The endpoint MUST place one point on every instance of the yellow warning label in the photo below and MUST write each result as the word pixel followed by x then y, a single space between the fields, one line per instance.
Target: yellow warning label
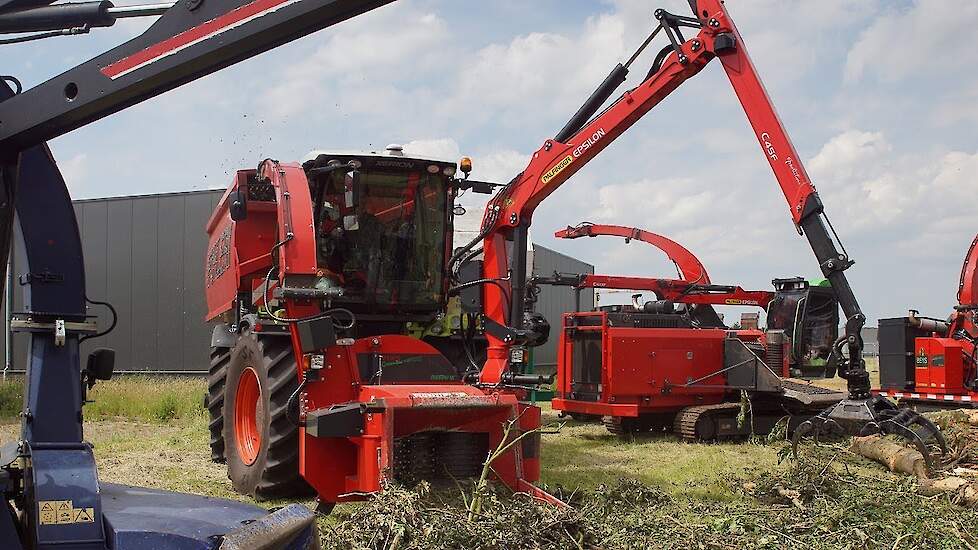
pixel 85 515
pixel 557 168
pixel 63 512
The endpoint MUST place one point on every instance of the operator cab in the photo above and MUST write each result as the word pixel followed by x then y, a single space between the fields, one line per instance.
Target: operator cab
pixel 383 227
pixel 808 313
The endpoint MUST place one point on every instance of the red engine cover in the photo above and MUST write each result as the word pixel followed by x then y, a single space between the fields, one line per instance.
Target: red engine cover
pixel 939 365
pixel 642 370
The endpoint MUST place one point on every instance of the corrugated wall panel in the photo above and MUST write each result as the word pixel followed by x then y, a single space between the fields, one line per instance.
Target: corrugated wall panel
pixel 145 255
pixel 93 225
pixel 118 278
pixel 196 336
pixel 170 292
pixel 145 283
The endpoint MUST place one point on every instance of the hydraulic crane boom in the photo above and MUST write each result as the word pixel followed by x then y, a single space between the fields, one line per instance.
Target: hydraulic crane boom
pixel 508 215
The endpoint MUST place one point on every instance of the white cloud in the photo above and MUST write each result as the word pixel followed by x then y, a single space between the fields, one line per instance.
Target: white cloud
pixel 75 172
pixel 358 62
pixel 538 74
pixel 441 148
pixel 850 153
pixel 929 37
pixel 881 189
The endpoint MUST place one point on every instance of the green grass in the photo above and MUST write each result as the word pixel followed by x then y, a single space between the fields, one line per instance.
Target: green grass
pixel 11 396
pixel 586 456
pixel 149 399
pixel 152 431
pixel 140 398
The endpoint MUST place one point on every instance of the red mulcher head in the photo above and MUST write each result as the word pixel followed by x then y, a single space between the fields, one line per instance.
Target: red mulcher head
pixel 408 430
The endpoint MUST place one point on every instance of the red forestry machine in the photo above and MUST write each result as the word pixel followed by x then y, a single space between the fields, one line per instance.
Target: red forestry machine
pixel 673 364
pixel 315 271
pixel 932 363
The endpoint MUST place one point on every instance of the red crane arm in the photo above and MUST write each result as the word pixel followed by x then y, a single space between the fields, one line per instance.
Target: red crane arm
pixel 690 267
pixel 552 165
pixel 682 291
pixel 508 215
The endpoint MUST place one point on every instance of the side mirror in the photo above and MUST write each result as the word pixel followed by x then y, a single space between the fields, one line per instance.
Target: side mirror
pixel 481 187
pixel 238 204
pixel 101 365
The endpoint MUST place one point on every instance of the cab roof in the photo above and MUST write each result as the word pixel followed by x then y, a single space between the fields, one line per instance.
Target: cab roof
pixel 391 151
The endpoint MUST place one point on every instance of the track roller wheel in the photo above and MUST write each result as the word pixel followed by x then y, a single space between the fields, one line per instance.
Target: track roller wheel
pixel 657 422
pixel 214 401
pixel 622 425
pixel 262 443
pixel 701 422
pixel 706 428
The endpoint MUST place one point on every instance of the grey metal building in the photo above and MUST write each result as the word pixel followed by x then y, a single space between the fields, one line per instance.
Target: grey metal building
pixel 145 255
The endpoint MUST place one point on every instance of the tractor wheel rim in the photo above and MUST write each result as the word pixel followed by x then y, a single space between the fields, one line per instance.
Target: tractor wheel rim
pixel 248 415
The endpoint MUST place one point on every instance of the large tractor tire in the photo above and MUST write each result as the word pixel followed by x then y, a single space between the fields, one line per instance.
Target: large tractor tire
pixel 262 442
pixel 216 376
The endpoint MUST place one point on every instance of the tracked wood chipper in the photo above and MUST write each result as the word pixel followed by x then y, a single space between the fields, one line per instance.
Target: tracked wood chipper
pixel 673 364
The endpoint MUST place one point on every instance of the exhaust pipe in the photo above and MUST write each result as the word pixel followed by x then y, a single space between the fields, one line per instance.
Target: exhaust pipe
pixel 928 324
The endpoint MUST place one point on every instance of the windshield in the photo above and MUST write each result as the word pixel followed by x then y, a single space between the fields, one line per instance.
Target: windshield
pixel 819 312
pixel 821 326
pixel 385 240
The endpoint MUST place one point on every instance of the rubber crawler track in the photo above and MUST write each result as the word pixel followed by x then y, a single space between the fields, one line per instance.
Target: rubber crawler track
pixel 686 420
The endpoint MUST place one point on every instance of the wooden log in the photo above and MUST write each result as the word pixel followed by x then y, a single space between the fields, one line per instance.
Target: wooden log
pixel 908 461
pixel 894 456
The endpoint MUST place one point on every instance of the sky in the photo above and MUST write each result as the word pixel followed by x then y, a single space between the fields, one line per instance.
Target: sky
pixel 879 96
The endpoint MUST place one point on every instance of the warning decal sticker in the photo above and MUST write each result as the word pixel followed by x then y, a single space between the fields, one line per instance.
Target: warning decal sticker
pixel 63 512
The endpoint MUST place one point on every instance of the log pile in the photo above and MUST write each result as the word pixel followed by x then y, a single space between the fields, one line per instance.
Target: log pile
pixel 955 474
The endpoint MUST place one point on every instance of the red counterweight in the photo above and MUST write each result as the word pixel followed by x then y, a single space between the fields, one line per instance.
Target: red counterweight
pixel 930 363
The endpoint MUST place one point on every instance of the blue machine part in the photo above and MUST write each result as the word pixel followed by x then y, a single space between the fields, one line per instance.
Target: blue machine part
pixel 66 506
pixel 137 517
pixel 8 531
pixel 64 490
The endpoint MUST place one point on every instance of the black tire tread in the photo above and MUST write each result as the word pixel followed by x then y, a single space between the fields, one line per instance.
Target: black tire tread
pixel 216 379
pixel 279 476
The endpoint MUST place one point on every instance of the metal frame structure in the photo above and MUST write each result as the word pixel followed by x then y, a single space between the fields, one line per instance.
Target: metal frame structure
pixel 52 465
